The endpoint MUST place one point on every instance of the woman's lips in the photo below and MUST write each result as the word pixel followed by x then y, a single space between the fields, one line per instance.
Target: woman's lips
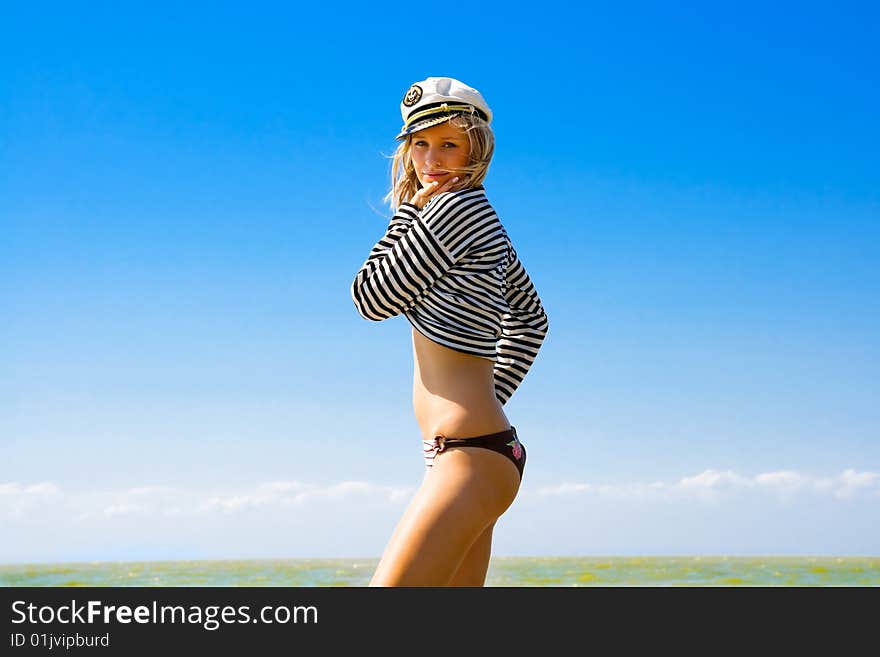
pixel 435 174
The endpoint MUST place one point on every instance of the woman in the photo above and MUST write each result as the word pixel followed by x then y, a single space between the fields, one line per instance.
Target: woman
pixel 447 264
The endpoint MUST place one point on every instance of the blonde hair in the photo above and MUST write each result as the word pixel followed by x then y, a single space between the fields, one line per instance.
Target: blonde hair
pixel 404 181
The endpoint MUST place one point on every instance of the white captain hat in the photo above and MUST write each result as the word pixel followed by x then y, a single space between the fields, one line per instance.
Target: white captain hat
pixel 435 100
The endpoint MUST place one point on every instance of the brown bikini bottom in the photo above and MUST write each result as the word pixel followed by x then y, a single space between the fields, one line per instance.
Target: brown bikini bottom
pixel 504 442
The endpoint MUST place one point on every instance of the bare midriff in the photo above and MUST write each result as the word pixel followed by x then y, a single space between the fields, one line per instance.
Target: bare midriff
pixel 453 392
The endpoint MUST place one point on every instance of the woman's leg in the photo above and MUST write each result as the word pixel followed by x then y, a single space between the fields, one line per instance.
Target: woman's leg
pixel 465 493
pixel 475 565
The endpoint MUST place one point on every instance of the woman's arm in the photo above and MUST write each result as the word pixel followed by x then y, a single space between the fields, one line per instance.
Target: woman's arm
pixel 416 250
pixel 523 330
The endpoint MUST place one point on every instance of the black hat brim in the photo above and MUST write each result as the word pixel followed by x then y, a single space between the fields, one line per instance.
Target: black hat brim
pixel 427 123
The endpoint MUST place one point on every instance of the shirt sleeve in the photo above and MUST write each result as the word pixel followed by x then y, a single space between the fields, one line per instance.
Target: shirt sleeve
pixel 417 249
pixel 523 329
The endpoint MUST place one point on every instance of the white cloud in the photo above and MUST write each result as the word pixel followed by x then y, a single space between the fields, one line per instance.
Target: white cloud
pixel 714 485
pixel 566 489
pixel 853 482
pixel 708 512
pixel 287 517
pixel 22 501
pixel 782 479
pixel 286 494
pixel 787 484
pixel 19 501
pixel 622 491
pixel 16 489
pixel 714 479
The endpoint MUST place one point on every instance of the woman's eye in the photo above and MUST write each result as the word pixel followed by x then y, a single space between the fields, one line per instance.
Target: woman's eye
pixel 423 144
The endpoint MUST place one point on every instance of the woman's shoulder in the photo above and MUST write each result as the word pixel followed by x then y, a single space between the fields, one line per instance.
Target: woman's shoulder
pixel 457 199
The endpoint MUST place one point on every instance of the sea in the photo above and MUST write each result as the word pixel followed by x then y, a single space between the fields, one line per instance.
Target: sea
pixel 631 571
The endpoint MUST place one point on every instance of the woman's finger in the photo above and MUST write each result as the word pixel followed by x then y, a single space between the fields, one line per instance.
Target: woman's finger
pixel 421 197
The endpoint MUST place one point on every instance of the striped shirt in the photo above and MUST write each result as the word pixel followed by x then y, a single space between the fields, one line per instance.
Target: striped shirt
pixel 451 269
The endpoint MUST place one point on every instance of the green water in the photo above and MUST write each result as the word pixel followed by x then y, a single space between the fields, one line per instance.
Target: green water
pixel 503 571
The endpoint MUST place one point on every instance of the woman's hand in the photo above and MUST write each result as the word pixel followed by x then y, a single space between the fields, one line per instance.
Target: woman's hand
pixel 425 193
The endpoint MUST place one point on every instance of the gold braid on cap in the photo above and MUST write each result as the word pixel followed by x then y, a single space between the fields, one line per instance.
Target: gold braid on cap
pixel 442 108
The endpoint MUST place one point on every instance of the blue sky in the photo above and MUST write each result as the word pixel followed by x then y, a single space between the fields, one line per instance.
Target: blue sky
pixel 186 193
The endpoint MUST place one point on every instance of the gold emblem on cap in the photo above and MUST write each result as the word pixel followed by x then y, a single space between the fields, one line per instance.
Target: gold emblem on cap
pixel 412 96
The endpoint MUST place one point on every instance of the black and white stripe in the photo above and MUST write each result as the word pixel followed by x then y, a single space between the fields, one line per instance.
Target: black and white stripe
pixel 453 272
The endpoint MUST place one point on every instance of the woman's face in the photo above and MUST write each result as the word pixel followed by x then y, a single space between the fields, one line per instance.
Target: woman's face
pixel 438 151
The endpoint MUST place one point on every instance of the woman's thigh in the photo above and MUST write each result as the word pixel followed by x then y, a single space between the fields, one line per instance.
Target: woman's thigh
pixel 473 568
pixel 466 491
